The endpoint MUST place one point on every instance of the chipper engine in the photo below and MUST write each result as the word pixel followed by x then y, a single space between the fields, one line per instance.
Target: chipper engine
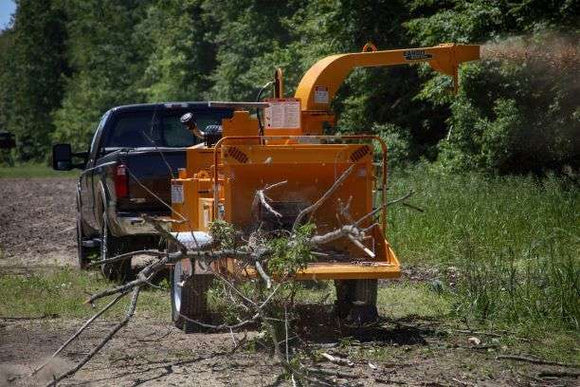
pixel 281 170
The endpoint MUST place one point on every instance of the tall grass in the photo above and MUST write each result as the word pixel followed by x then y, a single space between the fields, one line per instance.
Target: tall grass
pixel 515 241
pixel 542 286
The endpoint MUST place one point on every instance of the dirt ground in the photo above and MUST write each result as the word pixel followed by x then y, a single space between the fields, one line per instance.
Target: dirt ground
pixel 37 230
pixel 37 222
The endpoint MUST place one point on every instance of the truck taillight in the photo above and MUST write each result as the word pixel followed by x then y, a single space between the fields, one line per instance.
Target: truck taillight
pixel 121 181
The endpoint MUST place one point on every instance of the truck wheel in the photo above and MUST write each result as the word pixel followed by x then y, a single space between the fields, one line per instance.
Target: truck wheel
pixel 356 301
pixel 111 246
pixel 189 297
pixel 82 252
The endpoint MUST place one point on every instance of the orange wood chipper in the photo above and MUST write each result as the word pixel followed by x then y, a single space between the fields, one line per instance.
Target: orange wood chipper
pixel 245 154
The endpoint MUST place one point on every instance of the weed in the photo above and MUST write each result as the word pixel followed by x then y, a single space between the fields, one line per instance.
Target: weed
pixel 497 213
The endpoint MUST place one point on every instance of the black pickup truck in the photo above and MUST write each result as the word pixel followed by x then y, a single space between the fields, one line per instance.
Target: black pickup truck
pixel 135 151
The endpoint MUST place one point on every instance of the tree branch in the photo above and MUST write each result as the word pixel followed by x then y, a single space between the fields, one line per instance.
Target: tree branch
pixel 120 257
pixel 110 335
pixel 324 197
pixel 85 325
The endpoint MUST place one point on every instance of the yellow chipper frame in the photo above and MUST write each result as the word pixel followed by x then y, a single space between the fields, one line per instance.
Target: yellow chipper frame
pixel 222 177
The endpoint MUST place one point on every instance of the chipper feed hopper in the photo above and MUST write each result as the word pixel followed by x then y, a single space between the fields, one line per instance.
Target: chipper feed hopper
pixel 340 180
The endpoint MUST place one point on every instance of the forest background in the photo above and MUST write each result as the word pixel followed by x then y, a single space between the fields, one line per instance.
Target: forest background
pixel 63 63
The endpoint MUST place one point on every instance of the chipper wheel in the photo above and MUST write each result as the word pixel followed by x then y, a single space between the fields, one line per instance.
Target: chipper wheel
pixel 189 297
pixel 356 301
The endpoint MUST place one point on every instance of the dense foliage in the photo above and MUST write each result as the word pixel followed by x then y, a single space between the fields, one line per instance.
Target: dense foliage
pixel 64 62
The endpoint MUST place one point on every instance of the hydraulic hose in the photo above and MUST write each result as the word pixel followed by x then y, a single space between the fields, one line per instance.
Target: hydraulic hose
pixel 258 98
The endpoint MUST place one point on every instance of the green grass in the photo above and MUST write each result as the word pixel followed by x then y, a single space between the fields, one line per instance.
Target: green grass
pixel 63 292
pixel 514 240
pixel 500 214
pixel 405 299
pixel 396 300
pixel 34 170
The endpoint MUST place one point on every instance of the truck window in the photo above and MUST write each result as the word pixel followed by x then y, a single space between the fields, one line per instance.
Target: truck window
pixel 175 135
pixel 162 128
pixel 97 135
pixel 134 130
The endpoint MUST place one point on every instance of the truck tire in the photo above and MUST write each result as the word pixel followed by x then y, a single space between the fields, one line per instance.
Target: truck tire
pixel 189 297
pixel 356 301
pixel 111 246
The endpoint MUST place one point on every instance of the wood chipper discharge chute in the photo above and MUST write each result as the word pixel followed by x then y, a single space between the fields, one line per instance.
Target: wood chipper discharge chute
pixel 280 173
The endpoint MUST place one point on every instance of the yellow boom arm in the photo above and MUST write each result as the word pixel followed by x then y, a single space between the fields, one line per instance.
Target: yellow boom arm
pixel 320 83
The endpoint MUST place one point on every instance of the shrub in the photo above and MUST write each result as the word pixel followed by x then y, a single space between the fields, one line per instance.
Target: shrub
pixel 398 144
pixel 516 112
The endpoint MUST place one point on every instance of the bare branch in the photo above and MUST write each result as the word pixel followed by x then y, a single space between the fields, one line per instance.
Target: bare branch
pixel 85 325
pixel 413 207
pixel 111 333
pixel 261 198
pixel 166 234
pixel 534 360
pixel 263 274
pixel 359 244
pixel 222 326
pixel 334 235
pixel 120 257
pixel 118 289
pixel 402 198
pixel 376 210
pixel 337 360
pixel 275 185
pixel 324 197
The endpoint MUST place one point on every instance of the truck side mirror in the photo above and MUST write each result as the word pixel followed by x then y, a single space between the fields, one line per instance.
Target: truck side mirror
pixel 62 157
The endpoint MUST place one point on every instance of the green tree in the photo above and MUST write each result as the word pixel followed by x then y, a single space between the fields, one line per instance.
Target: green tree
pixel 35 63
pixel 107 54
pixel 181 57
pixel 249 38
pixel 6 88
pixel 515 111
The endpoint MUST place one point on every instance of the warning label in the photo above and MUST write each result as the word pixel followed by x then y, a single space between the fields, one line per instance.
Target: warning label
pixel 321 94
pixel 283 113
pixel 176 193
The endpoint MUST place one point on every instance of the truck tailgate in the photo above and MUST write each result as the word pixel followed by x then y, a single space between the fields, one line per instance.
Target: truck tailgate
pixel 150 173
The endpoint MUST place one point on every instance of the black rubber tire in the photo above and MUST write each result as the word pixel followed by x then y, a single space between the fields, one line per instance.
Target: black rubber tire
pixel 82 252
pixel 111 246
pixel 193 301
pixel 356 301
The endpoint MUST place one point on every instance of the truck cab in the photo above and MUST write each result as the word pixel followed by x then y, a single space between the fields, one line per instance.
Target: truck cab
pixel 126 172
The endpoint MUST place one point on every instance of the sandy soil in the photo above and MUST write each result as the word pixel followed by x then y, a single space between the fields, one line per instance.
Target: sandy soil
pixel 37 230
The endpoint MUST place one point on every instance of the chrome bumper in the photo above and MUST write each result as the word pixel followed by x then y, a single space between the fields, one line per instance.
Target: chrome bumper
pixel 124 225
